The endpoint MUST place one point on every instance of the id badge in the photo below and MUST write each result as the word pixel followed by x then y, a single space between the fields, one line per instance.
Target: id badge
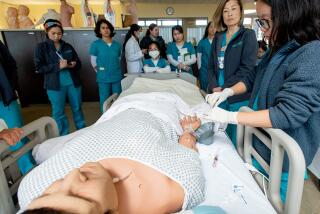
pixel 221 62
pixel 101 68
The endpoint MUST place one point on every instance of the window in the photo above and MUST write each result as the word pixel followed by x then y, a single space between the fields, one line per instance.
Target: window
pixel 201 22
pixel 247 21
pixel 169 22
pixel 149 22
pixel 142 23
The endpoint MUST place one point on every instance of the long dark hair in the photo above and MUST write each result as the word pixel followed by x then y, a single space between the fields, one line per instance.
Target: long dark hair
pixel 177 28
pixel 133 28
pixel 98 25
pixel 206 32
pixel 151 27
pixel 294 20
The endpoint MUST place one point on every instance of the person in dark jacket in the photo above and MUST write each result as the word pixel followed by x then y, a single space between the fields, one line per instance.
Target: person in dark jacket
pixel 59 63
pixel 286 84
pixel 152 34
pixel 9 108
pixel 234 52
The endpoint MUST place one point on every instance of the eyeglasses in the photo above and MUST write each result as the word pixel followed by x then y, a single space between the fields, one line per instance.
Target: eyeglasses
pixel 263 23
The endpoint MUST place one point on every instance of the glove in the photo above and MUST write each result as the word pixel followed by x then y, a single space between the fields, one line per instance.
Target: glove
pixel 220 115
pixel 216 98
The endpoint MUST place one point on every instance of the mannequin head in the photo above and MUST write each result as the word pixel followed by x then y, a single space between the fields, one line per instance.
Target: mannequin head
pixel 12 12
pixel 23 10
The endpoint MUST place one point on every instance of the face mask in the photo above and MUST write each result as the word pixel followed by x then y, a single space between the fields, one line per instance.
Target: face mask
pixel 154 54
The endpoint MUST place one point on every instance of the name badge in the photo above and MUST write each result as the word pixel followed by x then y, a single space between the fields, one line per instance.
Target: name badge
pixel 101 68
pixel 221 62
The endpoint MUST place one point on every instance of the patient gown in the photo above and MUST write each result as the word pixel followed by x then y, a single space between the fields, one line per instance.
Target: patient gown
pixel 131 134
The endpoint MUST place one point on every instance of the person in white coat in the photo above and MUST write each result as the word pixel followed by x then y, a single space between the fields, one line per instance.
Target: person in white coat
pixel 133 53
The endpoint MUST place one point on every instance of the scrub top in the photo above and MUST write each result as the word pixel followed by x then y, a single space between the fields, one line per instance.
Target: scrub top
pixel 221 57
pixel 204 47
pixel 108 60
pixel 64 74
pixel 162 63
pixel 180 55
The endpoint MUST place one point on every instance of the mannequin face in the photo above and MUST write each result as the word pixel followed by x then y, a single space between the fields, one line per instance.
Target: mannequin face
pixel 88 189
pixel 55 34
pixel 23 10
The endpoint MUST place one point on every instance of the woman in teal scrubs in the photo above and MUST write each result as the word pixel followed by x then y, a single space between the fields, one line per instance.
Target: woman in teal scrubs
pixel 105 59
pixel 59 63
pixel 181 55
pixel 9 107
pixel 203 55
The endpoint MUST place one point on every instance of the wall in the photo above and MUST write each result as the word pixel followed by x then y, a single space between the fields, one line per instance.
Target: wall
pixel 36 12
pixel 145 10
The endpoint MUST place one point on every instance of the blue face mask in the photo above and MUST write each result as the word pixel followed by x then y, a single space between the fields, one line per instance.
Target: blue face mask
pixel 205 133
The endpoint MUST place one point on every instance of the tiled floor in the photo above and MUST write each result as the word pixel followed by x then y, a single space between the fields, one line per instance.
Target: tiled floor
pixel 311 195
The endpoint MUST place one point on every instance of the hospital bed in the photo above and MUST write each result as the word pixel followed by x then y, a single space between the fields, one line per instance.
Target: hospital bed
pixel 229 184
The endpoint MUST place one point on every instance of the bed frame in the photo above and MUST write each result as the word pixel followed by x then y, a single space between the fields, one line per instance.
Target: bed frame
pixel 276 140
pixel 10 176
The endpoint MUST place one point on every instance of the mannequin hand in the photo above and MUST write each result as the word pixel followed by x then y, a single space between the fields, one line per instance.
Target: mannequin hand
pixel 216 98
pixel 221 116
pixel 194 122
pixel 63 63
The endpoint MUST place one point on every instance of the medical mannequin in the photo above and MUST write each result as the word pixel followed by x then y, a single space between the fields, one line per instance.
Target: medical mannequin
pixel 51 14
pixel 87 14
pixel 12 18
pixel 24 20
pixel 66 12
pixel 109 13
pixel 131 9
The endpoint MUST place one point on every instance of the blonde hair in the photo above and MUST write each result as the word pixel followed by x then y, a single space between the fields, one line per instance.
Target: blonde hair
pixel 218 15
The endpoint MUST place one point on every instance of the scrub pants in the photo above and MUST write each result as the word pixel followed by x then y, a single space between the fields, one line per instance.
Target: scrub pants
pixel 203 79
pixel 58 102
pixel 12 116
pixel 231 128
pixel 106 90
pixel 284 179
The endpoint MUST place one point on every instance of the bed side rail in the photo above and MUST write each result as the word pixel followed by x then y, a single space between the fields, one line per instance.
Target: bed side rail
pixel 36 132
pixel 278 142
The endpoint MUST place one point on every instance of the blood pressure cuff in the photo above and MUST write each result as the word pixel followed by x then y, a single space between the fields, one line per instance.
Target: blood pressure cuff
pixel 205 133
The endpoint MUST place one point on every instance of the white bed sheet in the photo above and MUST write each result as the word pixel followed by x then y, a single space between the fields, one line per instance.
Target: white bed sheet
pixel 230 170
